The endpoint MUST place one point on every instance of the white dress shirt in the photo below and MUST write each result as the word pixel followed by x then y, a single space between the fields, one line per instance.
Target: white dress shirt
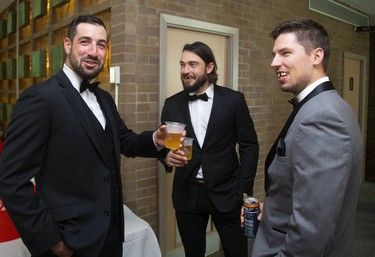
pixel 88 96
pixel 200 112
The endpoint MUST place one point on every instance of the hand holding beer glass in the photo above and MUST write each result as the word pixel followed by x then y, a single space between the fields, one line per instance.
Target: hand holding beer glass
pixel 174 133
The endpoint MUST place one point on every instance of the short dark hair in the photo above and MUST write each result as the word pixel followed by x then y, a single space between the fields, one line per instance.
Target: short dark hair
pixel 309 33
pixel 204 52
pixel 72 29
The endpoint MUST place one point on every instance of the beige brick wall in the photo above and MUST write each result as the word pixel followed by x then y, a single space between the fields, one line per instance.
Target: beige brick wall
pixel 135 47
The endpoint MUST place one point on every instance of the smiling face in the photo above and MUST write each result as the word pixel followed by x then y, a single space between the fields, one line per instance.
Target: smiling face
pixel 87 52
pixel 194 72
pixel 294 67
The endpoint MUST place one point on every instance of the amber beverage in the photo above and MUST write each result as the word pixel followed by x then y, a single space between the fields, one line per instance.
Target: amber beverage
pixel 188 147
pixel 172 140
pixel 174 133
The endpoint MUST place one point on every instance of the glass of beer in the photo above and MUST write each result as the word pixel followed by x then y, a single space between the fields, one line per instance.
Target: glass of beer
pixel 174 133
pixel 188 147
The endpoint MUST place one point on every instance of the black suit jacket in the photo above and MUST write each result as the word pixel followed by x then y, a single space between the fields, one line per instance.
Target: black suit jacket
pixel 49 138
pixel 226 176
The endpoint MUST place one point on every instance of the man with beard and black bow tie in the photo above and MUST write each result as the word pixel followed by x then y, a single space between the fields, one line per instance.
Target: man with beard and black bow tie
pixel 66 132
pixel 212 183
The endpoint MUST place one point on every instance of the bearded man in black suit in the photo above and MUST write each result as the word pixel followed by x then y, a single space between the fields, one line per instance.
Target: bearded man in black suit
pixel 212 183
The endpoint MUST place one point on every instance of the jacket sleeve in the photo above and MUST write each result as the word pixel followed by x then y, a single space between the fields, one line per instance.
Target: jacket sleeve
pixel 21 160
pixel 248 146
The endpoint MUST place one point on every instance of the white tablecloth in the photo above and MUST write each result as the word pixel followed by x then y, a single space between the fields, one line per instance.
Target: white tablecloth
pixel 14 248
pixel 140 240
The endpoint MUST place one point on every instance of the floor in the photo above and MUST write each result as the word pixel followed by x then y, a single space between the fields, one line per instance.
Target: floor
pixel 364 238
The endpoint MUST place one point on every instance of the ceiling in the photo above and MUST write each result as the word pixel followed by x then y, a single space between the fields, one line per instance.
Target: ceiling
pixel 366 6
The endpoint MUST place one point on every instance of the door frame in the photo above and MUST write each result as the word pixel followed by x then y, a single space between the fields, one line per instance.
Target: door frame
pixel 363 92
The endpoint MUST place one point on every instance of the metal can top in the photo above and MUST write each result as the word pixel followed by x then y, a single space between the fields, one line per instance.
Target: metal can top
pixel 251 202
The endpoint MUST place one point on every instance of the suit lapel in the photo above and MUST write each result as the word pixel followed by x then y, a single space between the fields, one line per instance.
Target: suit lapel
pixel 79 108
pixel 325 86
pixel 183 105
pixel 216 111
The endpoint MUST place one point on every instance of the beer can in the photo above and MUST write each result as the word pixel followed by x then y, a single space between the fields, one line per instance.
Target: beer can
pixel 251 211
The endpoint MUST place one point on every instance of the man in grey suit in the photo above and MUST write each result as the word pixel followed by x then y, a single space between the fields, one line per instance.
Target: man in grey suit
pixel 312 172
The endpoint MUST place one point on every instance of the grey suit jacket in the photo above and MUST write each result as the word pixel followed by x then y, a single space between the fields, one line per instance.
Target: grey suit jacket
pixel 311 202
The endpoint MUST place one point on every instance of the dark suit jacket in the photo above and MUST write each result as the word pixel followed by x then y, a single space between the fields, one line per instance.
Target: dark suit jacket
pixel 226 176
pixel 50 138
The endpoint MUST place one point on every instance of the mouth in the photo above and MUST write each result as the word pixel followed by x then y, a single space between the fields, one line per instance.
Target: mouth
pixel 188 78
pixel 281 74
pixel 91 63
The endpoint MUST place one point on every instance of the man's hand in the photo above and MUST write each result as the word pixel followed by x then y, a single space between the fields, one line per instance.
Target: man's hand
pixel 176 158
pixel 161 133
pixel 242 217
pixel 61 250
pixel 260 211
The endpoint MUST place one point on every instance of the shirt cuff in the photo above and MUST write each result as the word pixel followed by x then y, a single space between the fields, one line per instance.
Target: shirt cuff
pixel 158 147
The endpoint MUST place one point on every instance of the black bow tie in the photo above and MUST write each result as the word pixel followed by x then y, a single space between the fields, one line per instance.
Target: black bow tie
pixel 85 84
pixel 293 101
pixel 194 97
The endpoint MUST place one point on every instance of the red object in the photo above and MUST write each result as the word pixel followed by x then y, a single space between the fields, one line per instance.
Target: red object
pixel 1 146
pixel 7 230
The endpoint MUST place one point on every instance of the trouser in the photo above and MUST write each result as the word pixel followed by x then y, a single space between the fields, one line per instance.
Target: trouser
pixel 192 227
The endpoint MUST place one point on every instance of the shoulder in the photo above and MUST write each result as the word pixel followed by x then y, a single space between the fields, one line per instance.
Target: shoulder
pixel 226 90
pixel 46 87
pixel 221 92
pixel 176 97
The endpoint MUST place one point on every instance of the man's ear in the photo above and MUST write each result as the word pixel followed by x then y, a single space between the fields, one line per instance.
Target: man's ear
pixel 67 45
pixel 210 67
pixel 318 56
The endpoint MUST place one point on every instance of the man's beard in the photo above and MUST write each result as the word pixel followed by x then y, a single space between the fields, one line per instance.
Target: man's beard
pixel 78 68
pixel 196 86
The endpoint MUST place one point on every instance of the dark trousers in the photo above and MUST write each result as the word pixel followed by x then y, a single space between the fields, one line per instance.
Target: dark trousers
pixel 192 227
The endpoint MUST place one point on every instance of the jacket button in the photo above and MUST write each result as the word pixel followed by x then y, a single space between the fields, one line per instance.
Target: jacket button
pixel 106 179
pixel 106 213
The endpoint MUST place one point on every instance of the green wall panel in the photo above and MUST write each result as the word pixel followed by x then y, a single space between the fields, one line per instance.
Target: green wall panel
pixel 23 14
pixel 39 8
pixel 11 68
pixel 57 58
pixel 23 66
pixel 38 63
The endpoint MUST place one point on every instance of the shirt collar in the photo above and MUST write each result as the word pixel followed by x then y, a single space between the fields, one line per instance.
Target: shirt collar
pixel 73 77
pixel 311 87
pixel 210 91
